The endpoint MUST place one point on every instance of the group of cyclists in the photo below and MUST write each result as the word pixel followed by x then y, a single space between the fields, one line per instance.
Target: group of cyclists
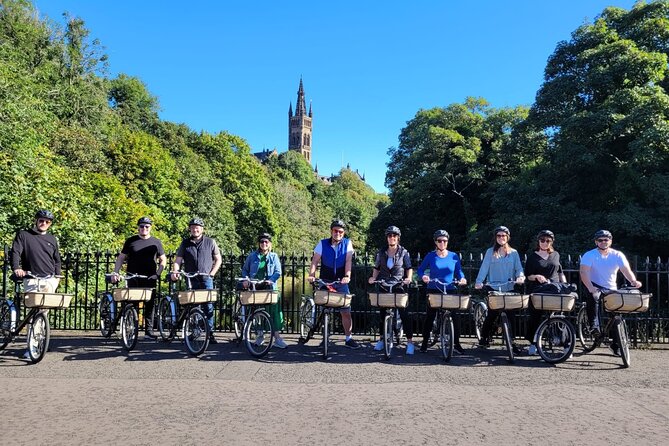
pixel 36 250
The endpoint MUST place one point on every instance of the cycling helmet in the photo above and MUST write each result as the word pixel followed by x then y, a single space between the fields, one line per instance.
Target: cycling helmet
pixel 196 221
pixel 264 236
pixel 502 229
pixel 546 233
pixel 440 233
pixel 337 224
pixel 393 230
pixel 43 213
pixel 144 221
pixel 602 233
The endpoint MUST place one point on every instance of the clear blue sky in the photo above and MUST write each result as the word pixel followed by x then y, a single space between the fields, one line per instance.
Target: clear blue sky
pixel 367 66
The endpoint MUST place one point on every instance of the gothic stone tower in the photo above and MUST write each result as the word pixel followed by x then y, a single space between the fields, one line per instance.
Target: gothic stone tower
pixel 299 126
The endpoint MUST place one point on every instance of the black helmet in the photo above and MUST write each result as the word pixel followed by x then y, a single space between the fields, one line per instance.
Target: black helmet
pixel 144 221
pixel 43 213
pixel 196 221
pixel 602 233
pixel 337 224
pixel 393 230
pixel 502 229
pixel 440 233
pixel 264 236
pixel 546 233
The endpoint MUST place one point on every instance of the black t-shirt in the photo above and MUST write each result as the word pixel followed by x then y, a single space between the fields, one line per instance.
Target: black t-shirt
pixel 35 252
pixel 550 268
pixel 142 254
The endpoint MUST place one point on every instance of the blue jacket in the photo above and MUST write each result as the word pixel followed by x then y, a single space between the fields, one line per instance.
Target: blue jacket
pixel 250 268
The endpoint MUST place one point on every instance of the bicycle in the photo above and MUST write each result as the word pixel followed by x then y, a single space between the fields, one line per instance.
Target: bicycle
pixel 182 309
pixel 39 331
pixel 555 337
pixel 445 303
pixel 502 301
pixel 258 321
pixel 323 304
pixel 479 310
pixel 128 317
pixel 616 302
pixel 392 302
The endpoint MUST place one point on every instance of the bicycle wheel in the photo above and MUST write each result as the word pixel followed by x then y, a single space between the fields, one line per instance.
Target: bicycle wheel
pixel 555 340
pixel 307 318
pixel 398 327
pixel 5 324
pixel 480 311
pixel 387 335
pixel 129 327
pixel 623 340
pixel 167 318
pixel 39 335
pixel 585 337
pixel 446 337
pixel 196 332
pixel 106 310
pixel 238 318
pixel 506 330
pixel 434 334
pixel 258 333
pixel 326 333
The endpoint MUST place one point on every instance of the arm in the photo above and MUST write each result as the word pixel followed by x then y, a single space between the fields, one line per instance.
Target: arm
pixel 483 270
pixel 17 250
pixel 458 274
pixel 375 269
pixel 347 267
pixel 315 259
pixel 518 268
pixel 120 260
pixel 246 269
pixel 423 266
pixel 629 274
pixel 274 278
pixel 162 261
pixel 218 260
pixel 176 266
pixel 584 271
pixel 57 261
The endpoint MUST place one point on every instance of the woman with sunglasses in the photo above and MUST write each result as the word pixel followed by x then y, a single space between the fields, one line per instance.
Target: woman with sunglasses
pixel 542 266
pixel 501 270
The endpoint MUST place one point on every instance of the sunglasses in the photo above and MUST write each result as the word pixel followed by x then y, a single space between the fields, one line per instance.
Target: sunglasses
pixel 43 221
pixel 338 231
pixel 442 240
pixel 144 226
pixel 264 241
pixel 501 236
pixel 600 240
pixel 392 235
pixel 545 240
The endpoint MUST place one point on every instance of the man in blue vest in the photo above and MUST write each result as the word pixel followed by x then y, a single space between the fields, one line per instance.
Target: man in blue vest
pixel 335 254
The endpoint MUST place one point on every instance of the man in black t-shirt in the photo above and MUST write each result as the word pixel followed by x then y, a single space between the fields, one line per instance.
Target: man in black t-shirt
pixel 145 256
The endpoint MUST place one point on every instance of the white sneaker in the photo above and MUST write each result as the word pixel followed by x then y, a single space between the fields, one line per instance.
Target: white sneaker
pixel 379 345
pixel 26 355
pixel 279 343
pixel 532 350
pixel 410 348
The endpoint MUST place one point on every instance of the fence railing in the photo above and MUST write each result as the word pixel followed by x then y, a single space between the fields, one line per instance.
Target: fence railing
pixel 84 277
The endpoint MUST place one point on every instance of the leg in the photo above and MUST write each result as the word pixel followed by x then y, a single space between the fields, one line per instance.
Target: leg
pixel 532 323
pixel 488 326
pixel 427 327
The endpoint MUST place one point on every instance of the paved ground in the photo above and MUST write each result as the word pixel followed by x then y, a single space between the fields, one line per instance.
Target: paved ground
pixel 88 391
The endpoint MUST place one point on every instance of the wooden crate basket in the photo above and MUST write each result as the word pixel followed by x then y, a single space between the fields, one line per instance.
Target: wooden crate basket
pixel 508 301
pixel 389 300
pixel 621 302
pixel 132 294
pixel 330 299
pixel 258 297
pixel 48 300
pixel 197 296
pixel 553 302
pixel 448 301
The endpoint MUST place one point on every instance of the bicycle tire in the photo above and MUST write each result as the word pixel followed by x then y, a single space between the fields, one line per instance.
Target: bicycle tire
pixel 446 337
pixel 5 324
pixel 129 327
pixel 588 342
pixel 398 327
pixel 506 330
pixel 623 341
pixel 39 335
pixel 480 311
pixel 307 318
pixel 258 334
pixel 326 334
pixel 238 319
pixel 196 332
pixel 388 335
pixel 555 340
pixel 167 318
pixel 106 312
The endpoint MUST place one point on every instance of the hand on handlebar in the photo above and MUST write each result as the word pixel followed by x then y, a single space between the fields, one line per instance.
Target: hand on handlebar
pixel 115 277
pixel 520 280
pixel 345 280
pixel 19 272
pixel 478 286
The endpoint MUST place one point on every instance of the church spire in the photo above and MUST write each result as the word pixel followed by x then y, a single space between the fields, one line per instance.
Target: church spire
pixel 300 107
pixel 290 110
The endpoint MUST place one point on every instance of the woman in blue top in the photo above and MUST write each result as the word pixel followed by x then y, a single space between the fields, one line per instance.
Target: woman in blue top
pixel 445 266
pixel 501 270
pixel 263 264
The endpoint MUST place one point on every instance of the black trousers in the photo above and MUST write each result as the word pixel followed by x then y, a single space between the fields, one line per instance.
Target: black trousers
pixel 150 304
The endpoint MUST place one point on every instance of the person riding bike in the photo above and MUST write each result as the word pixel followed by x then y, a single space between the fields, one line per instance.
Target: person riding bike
pixel 599 270
pixel 335 254
pixel 393 265
pixel 502 270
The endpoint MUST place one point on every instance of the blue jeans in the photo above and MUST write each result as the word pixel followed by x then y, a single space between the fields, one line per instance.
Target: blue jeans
pixel 205 283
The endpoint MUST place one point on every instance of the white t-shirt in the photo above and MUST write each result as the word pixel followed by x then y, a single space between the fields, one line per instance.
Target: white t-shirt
pixel 319 250
pixel 604 269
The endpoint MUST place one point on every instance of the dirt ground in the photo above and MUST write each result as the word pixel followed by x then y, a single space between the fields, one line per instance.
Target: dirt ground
pixel 87 390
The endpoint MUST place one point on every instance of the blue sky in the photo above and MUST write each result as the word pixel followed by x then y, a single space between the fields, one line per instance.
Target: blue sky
pixel 367 66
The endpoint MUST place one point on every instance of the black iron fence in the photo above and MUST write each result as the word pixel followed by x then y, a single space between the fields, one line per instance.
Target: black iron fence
pixel 84 277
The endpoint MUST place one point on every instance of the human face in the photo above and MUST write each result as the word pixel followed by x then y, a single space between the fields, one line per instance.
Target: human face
pixel 264 245
pixel 144 230
pixel 545 243
pixel 441 242
pixel 393 239
pixel 196 231
pixel 502 238
pixel 42 224
pixel 337 233
pixel 603 243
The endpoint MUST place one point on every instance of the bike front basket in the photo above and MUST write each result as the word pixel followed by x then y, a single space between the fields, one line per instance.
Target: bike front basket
pixel 448 301
pixel 197 296
pixel 553 302
pixel 507 301
pixel 132 294
pixel 258 297
pixel 47 300
pixel 331 299
pixel 389 300
pixel 627 302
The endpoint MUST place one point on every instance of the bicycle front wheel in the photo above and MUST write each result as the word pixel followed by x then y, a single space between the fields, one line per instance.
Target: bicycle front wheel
pixel 106 310
pixel 167 318
pixel 129 327
pixel 39 335
pixel 387 335
pixel 5 324
pixel 480 311
pixel 326 334
pixel 585 337
pixel 238 318
pixel 555 340
pixel 196 332
pixel 506 329
pixel 623 341
pixel 307 318
pixel 446 337
pixel 258 333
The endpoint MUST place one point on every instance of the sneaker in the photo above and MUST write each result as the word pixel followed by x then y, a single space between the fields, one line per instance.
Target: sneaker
pixel 484 343
pixel 517 350
pixel 410 348
pixel 458 348
pixel 423 346
pixel 532 350
pixel 212 339
pixel 279 343
pixel 351 343
pixel 149 336
pixel 379 345
pixel 260 339
pixel 25 355
pixel 594 332
pixel 614 349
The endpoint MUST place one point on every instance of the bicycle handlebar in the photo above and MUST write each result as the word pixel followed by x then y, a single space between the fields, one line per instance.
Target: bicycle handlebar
pixel 127 276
